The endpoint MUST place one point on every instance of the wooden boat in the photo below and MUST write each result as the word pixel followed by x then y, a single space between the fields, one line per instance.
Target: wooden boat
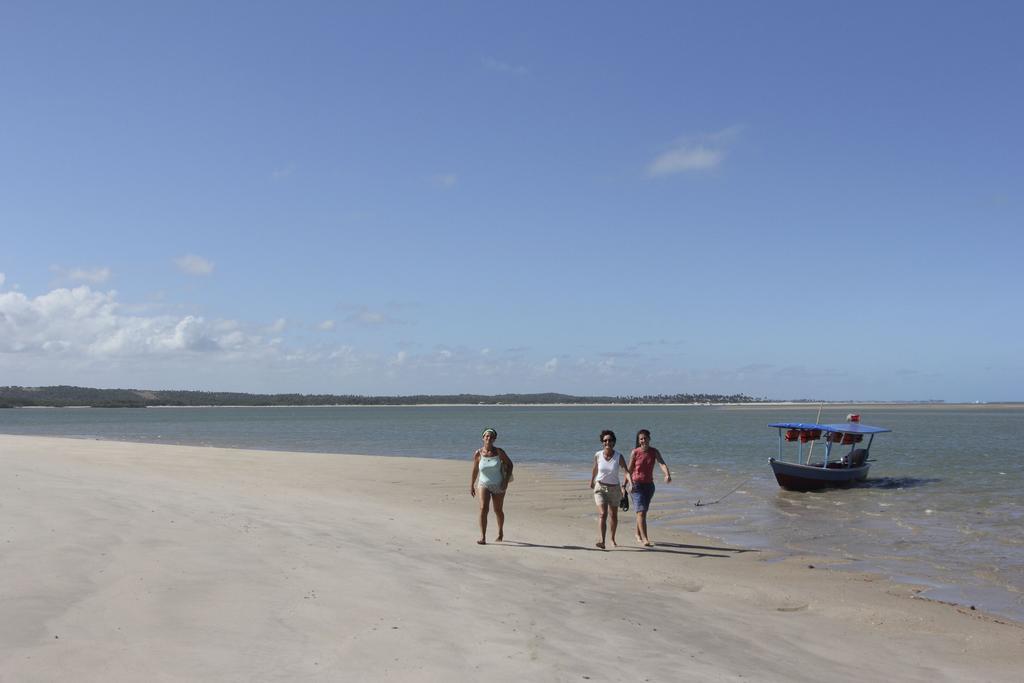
pixel 838 467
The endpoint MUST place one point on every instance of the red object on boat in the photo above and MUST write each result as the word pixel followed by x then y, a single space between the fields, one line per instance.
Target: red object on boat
pixel 809 435
pixel 792 434
pixel 853 417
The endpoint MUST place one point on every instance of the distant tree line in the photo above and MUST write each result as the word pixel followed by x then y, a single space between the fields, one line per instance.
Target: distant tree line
pixel 67 396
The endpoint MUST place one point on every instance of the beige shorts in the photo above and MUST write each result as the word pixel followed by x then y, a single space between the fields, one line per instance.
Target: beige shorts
pixel 607 495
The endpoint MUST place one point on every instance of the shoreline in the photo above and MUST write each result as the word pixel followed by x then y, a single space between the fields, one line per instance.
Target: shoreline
pixel 674 507
pixel 996 601
pixel 127 561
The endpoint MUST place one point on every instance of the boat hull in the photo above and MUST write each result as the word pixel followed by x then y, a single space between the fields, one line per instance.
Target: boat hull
pixel 796 477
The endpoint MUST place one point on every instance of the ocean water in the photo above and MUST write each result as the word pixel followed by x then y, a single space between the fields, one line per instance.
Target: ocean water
pixel 943 506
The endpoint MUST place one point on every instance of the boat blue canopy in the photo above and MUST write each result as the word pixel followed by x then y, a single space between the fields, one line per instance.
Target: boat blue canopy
pixel 843 427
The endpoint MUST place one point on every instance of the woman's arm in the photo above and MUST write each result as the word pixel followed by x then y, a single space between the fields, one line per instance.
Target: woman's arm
pixel 622 464
pixel 476 470
pixel 593 472
pixel 664 467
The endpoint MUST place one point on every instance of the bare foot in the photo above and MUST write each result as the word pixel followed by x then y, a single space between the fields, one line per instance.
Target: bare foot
pixel 614 544
pixel 500 538
pixel 639 540
pixel 600 544
pixel 648 544
pixel 482 542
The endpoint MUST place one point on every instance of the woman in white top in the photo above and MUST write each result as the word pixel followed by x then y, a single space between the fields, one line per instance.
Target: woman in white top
pixel 605 482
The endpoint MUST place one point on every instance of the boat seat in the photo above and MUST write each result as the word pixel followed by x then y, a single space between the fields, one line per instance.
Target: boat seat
pixel 856 457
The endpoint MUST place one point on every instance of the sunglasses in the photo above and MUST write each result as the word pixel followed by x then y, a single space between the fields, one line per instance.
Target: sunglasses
pixel 607 440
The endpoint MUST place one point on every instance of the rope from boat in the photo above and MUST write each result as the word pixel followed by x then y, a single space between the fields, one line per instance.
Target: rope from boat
pixel 734 490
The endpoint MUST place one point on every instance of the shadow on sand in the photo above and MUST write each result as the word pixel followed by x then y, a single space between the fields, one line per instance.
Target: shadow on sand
pixel 672 548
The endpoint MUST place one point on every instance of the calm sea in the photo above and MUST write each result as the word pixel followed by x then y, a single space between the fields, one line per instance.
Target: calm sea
pixel 944 505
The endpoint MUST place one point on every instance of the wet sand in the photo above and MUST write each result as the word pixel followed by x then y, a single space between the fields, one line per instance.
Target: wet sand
pixel 123 561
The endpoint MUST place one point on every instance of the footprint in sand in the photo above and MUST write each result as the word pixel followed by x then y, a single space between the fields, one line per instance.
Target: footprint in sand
pixel 794 607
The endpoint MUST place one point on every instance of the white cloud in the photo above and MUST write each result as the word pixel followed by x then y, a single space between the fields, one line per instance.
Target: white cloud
pixel 91 324
pixel 754 368
pixel 698 153
pixel 344 353
pixel 551 366
pixel 686 158
pixel 3 278
pixel 93 276
pixel 194 265
pixel 445 180
pixel 282 173
pixel 370 318
pixel 326 325
pixel 492 64
pixel 277 326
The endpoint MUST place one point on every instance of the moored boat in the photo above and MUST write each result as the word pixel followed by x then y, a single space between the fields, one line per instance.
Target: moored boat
pixel 835 469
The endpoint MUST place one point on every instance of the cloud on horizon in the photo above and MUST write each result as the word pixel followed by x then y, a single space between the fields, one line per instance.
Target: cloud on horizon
pixel 82 335
pixel 93 276
pixel 371 318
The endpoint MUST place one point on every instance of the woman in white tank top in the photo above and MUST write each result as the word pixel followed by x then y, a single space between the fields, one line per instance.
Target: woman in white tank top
pixel 606 483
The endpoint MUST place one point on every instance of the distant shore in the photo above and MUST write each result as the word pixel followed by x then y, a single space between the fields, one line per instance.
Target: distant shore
pixel 880 404
pixel 63 395
pixel 752 405
pixel 75 397
pixel 126 561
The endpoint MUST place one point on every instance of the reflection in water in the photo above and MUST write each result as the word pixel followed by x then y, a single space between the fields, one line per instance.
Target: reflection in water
pixel 898 482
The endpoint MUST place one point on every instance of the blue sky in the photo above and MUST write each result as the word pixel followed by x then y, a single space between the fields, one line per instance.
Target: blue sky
pixel 781 199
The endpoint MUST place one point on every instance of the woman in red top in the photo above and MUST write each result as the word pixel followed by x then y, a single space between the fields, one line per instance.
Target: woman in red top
pixel 641 472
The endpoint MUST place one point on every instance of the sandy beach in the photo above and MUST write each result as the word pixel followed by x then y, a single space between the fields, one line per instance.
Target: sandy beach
pixel 138 562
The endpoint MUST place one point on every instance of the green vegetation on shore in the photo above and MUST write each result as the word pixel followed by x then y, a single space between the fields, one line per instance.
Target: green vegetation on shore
pixel 66 397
